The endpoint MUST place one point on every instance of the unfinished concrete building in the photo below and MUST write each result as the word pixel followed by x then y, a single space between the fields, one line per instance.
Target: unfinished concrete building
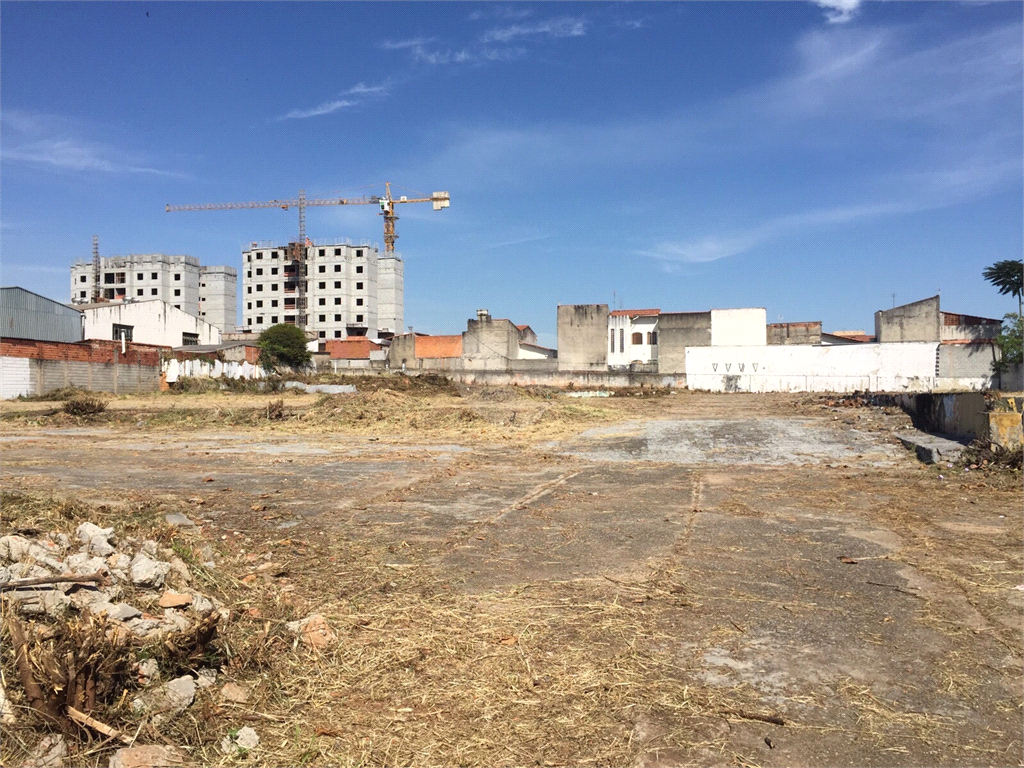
pixel 208 293
pixel 350 290
pixel 925 321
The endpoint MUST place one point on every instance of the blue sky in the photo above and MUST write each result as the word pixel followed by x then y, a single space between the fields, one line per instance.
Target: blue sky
pixel 810 158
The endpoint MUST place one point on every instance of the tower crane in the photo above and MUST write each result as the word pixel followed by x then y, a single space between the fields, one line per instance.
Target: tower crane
pixel 297 250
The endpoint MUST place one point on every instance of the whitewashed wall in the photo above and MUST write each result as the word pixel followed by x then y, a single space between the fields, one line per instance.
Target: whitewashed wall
pixel 15 377
pixel 153 322
pixel 906 367
pixel 205 369
pixel 739 327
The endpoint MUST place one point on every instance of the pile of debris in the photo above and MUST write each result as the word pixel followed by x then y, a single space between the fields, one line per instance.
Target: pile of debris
pixel 104 633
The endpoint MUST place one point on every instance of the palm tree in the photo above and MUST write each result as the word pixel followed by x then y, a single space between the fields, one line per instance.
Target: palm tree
pixel 1008 277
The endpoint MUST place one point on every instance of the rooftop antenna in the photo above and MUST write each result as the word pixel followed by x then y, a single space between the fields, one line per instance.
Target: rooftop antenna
pixel 894 301
pixel 95 268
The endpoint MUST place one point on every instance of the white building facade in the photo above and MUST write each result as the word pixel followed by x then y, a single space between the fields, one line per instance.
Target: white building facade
pixel 147 322
pixel 350 289
pixel 208 293
pixel 632 337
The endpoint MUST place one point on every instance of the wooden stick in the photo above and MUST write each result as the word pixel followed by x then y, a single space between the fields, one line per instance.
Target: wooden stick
pixel 96 578
pixel 96 725
pixel 36 699
pixel 751 716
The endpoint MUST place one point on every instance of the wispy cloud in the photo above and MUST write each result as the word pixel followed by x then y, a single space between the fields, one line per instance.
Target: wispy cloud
pixel 413 42
pixel 48 142
pixel 510 243
pixel 502 12
pixel 839 11
pixel 561 27
pixel 327 107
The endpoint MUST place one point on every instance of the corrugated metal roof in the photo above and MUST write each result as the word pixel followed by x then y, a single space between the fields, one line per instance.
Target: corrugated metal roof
pixel 27 315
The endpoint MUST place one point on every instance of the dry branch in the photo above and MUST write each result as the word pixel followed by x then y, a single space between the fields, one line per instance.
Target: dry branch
pixel 95 578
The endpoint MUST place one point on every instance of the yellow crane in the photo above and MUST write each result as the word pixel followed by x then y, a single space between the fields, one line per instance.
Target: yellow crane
pixel 297 250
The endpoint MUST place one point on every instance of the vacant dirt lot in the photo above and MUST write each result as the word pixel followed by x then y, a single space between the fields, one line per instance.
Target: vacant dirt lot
pixel 524 578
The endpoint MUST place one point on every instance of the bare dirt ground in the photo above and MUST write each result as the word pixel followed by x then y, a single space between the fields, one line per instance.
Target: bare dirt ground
pixel 519 578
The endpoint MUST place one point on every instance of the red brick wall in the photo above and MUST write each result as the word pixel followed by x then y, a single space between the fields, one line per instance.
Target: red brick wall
pixel 92 351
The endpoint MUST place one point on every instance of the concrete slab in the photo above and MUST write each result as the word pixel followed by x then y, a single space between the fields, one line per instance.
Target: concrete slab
pixel 931 449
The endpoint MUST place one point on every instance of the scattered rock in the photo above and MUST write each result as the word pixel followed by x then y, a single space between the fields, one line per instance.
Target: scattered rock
pixel 99 547
pixel 206 677
pixel 33 602
pixel 175 620
pixel 147 572
pixel 234 692
pixel 49 753
pixel 179 569
pixel 18 549
pixel 118 611
pixel 84 564
pixel 272 569
pixel 6 710
pixel 86 532
pixel 166 700
pixel 244 740
pixel 201 603
pixel 152 756
pixel 179 520
pixel 149 671
pixel 171 599
pixel 313 631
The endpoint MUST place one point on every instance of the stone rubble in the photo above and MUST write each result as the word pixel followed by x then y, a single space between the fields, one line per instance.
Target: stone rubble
pixel 245 740
pixel 152 756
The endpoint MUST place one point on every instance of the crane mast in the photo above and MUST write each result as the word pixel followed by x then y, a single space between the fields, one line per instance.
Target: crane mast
pixel 297 251
pixel 95 268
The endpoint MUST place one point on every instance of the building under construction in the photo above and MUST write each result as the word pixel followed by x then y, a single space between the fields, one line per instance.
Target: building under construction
pixel 209 293
pixel 336 290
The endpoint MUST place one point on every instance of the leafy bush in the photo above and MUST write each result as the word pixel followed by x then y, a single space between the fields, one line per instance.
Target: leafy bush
pixel 1009 341
pixel 283 344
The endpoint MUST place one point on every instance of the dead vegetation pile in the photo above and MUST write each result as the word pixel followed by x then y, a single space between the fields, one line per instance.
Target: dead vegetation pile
pixel 984 456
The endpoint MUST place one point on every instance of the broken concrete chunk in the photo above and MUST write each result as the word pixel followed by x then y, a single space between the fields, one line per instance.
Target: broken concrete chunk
pixel 235 693
pixel 86 532
pixel 171 599
pixel 150 547
pixel 167 700
pixel 147 572
pixel 84 564
pixel 6 709
pixel 141 626
pixel 206 677
pixel 313 631
pixel 32 602
pixel 201 604
pixel 18 549
pixel 120 561
pixel 100 547
pixel 272 569
pixel 49 753
pixel 174 620
pixel 151 756
pixel 149 671
pixel 118 611
pixel 245 740
pixel 179 568
pixel 179 520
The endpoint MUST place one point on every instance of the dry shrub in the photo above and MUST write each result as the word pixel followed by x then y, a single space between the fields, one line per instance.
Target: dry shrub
pixel 275 410
pixel 85 405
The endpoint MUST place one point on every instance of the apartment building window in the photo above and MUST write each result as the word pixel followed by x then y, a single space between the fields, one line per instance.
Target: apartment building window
pixel 81 279
pixel 202 285
pixel 321 252
pixel 322 334
pixel 108 293
pixel 359 302
pixel 612 333
pixel 154 291
pixel 273 270
pixel 248 289
pixel 259 287
pixel 359 318
pixel 81 294
pixel 139 291
pixel 259 255
pixel 273 255
pixel 189 339
pixel 273 302
pixel 337 318
pixel 322 267
pixel 259 320
pixel 359 286
pixel 120 277
pixel 337 300
pixel 321 318
pixel 321 286
pixel 259 303
pixel 177 306
pixel 290 319
pixel 337 283
pixel 259 270
pixel 249 321
pixel 249 259
pixel 337 251
pixel 248 305
pixel 622 339
pixel 140 276
pixel 321 302
pixel 152 276
pixel 359 269
pixel 120 293
pixel 359 253
pixel 337 334
pixel 177 291
pixel 273 286
pixel 273 319
pixel 108 278
pixel 122 331
pixel 177 275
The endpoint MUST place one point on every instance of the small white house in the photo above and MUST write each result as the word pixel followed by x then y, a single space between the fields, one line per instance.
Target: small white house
pixel 632 336
pixel 147 322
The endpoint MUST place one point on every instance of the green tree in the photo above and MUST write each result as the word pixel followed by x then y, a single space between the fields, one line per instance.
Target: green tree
pixel 1008 277
pixel 1011 341
pixel 283 344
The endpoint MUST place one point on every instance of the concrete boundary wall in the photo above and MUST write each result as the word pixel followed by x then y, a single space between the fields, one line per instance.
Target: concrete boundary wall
pixel 901 367
pixel 600 379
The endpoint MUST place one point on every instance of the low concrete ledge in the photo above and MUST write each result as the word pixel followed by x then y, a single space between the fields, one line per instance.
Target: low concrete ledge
pixel 931 449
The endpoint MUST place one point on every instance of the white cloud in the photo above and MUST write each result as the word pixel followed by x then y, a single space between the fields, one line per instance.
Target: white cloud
pixel 562 27
pixel 47 141
pixel 839 11
pixel 323 109
pixel 415 42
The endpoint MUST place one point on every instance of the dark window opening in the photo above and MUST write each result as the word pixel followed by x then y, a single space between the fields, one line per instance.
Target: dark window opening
pixel 337 318
pixel 637 339
pixel 337 267
pixel 177 276
pixel 108 278
pixel 189 339
pixel 321 302
pixel 322 267
pixel 140 291
pixel 359 269
pixel 124 331
pixel 359 302
pixel 82 279
pixel 337 334
pixel 154 291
